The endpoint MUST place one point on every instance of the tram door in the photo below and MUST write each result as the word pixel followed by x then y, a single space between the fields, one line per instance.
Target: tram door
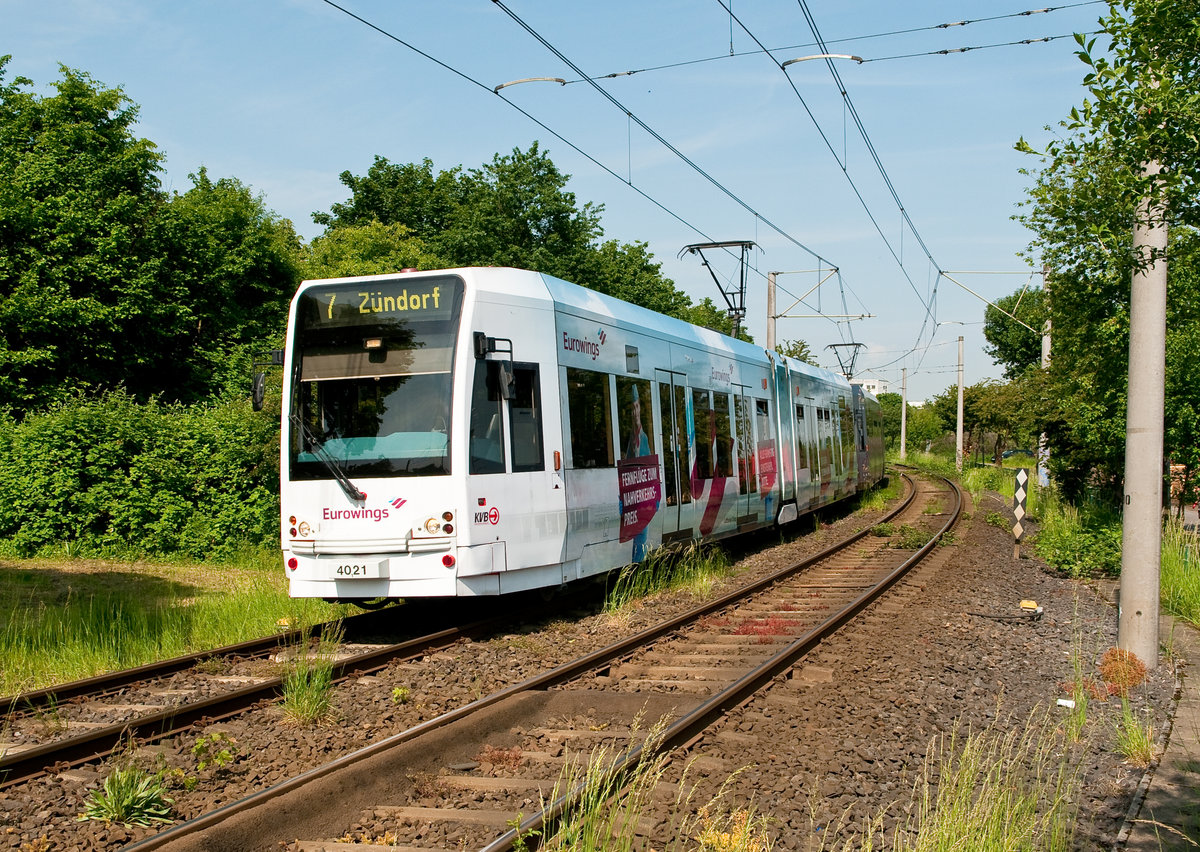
pixel 674 515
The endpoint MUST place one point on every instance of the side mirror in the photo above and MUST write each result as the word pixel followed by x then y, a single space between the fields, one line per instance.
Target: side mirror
pixel 258 391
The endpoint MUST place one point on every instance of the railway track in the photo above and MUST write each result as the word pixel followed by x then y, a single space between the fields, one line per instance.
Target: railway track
pixel 86 720
pixel 477 776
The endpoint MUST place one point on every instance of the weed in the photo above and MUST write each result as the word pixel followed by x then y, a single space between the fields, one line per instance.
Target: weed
pixel 505 758
pixel 130 796
pixel 998 520
pixel 217 750
pixel 884 530
pixel 740 831
pixel 910 538
pixel 693 566
pixel 425 785
pixel 1135 741
pixel 50 717
pixel 401 695
pixel 308 683
pixel 212 666
pixel 1121 670
pixel 521 838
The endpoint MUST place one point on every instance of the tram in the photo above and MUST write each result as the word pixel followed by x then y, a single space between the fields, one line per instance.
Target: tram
pixel 484 431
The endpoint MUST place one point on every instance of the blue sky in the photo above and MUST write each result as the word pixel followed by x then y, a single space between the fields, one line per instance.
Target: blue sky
pixel 286 94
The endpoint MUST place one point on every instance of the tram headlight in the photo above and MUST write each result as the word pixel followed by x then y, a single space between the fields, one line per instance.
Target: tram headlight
pixel 433 526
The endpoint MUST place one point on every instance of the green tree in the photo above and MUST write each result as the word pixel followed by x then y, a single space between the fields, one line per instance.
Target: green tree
pixel 891 405
pixel 368 249
pixel 1011 344
pixel 77 191
pixel 513 211
pixel 797 349
pixel 226 270
pixel 1143 106
pixel 105 280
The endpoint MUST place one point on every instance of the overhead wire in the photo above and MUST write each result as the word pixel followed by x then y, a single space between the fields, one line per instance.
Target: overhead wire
pixel 654 133
pixel 628 182
pixel 928 305
pixel 848 39
pixel 461 74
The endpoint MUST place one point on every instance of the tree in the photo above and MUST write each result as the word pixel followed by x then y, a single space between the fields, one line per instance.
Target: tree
pixel 369 249
pixel 797 349
pixel 891 405
pixel 77 191
pixel 1010 344
pixel 513 211
pixel 1143 107
pixel 106 281
pixel 226 270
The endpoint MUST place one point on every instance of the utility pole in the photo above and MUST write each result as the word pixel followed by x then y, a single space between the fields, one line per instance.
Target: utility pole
pixel 1043 468
pixel 1141 520
pixel 903 413
pixel 958 441
pixel 771 311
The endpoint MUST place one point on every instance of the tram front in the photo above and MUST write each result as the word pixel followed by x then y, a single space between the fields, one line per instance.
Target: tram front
pixel 367 498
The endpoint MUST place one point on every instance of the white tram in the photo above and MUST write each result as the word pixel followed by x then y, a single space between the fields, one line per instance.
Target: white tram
pixel 484 431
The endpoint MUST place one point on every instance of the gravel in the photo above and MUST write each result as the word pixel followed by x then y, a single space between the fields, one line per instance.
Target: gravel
pixel 821 754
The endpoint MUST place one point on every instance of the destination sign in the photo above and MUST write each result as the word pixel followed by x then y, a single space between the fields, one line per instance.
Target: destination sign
pixel 381 302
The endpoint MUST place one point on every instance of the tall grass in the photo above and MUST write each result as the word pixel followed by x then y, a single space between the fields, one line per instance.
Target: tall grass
pixel 308 682
pixel 607 815
pixel 694 567
pixel 44 642
pixel 988 791
pixel 1180 578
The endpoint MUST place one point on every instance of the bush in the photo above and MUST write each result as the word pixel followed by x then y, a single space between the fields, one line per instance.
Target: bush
pixel 1083 542
pixel 111 476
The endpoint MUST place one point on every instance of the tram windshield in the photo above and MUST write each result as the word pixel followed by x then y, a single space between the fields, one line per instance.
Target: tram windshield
pixel 372 377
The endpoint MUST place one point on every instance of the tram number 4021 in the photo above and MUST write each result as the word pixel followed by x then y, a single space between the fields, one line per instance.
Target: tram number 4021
pixel 351 570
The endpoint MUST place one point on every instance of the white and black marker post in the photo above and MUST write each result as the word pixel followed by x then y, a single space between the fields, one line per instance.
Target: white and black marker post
pixel 1019 494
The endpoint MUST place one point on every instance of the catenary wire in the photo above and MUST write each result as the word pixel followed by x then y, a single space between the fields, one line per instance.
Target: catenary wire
pixel 628 182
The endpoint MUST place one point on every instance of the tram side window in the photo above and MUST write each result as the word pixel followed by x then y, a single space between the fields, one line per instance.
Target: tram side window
pixel 589 407
pixel 724 465
pixel 703 418
pixel 746 457
pixel 525 410
pixel 801 439
pixel 633 405
pixel 487 431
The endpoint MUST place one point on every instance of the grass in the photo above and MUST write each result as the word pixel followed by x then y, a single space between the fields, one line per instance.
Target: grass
pixel 308 682
pixel 606 814
pixel 66 620
pixel 1001 790
pixel 694 567
pixel 1180 578
pixel 1135 740
pixel 131 796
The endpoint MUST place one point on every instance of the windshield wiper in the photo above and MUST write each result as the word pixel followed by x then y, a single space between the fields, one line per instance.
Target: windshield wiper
pixel 318 450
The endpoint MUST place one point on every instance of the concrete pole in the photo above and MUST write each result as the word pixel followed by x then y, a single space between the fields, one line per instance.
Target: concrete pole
pixel 771 311
pixel 1043 466
pixel 1141 523
pixel 958 443
pixel 903 413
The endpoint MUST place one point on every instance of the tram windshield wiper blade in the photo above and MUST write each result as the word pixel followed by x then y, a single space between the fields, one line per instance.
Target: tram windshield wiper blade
pixel 318 450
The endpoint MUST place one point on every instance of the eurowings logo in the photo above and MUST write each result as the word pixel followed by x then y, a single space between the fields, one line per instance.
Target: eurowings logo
pixel 398 502
pixel 603 337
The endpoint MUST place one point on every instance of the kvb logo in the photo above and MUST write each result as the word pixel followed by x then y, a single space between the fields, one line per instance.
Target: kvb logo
pixel 488 516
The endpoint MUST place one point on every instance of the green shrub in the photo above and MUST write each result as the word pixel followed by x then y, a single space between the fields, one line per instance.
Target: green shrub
pixel 1084 542
pixel 110 476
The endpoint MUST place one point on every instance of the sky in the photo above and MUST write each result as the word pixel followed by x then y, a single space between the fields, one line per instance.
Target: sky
pixel 889 209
